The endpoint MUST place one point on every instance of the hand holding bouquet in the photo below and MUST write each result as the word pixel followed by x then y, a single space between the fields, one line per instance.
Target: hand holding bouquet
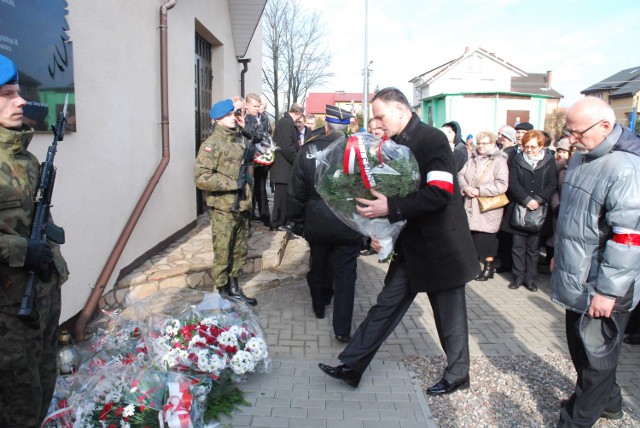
pixel 349 167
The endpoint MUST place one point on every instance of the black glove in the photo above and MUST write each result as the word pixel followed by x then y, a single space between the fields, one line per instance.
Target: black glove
pixel 39 254
pixel 297 229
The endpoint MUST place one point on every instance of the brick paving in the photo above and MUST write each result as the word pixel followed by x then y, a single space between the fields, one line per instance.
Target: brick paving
pixel 295 393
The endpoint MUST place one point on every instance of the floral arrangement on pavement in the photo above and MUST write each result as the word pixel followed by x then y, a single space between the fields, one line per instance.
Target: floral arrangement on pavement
pixel 351 166
pixel 178 368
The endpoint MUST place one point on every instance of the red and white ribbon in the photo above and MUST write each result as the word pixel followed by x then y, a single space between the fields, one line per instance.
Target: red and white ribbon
pixel 177 412
pixel 355 150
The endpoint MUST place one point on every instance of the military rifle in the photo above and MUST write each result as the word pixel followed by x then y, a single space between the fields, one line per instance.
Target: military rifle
pixel 241 194
pixel 41 227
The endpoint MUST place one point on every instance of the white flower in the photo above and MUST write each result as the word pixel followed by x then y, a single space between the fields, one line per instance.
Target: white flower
pixel 227 338
pixel 171 327
pixel 128 411
pixel 197 339
pixel 257 347
pixel 242 362
pixel 210 363
pixel 209 321
pixel 238 331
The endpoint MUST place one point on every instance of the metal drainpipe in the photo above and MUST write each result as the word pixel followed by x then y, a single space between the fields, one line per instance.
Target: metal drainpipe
pixel 245 67
pixel 92 302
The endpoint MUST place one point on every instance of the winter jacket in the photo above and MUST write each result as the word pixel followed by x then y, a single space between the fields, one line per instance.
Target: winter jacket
pixel 304 205
pixel 493 173
pixel 286 137
pixel 435 242
pixel 19 170
pixel 599 217
pixel 527 183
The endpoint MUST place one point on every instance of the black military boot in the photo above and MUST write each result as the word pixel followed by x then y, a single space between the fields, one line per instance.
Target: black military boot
pixel 487 272
pixel 235 292
pixel 224 290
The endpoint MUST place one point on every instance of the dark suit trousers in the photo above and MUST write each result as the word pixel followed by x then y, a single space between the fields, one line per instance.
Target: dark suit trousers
pixel 449 311
pixel 260 175
pixel 596 390
pixel 279 213
pixel 525 253
pixel 333 271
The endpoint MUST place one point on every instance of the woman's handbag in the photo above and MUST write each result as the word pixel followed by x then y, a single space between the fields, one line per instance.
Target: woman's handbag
pixel 527 220
pixel 488 203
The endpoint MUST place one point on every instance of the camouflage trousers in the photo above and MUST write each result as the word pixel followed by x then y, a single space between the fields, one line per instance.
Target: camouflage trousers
pixel 230 244
pixel 28 362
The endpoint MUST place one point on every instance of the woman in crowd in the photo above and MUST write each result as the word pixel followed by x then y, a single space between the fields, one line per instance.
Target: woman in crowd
pixel 532 181
pixel 485 174
pixel 563 148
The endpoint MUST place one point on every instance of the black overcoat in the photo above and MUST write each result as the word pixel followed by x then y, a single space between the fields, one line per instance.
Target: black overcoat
pixel 527 183
pixel 304 204
pixel 286 137
pixel 436 243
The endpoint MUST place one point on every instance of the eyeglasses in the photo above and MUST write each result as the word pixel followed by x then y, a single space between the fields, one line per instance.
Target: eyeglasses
pixel 579 134
pixel 483 144
pixel 531 147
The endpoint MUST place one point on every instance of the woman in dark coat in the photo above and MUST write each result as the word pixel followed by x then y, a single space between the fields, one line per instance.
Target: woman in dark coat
pixel 532 181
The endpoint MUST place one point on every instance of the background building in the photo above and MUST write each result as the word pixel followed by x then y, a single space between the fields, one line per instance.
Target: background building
pixel 106 165
pixel 483 91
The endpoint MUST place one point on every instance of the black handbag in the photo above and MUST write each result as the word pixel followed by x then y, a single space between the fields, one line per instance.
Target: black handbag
pixel 529 221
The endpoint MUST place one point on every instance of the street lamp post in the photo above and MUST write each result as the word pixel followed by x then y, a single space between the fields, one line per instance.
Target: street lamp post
pixel 365 97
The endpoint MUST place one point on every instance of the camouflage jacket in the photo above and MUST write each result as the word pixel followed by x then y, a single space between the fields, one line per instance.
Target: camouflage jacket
pixel 19 171
pixel 217 167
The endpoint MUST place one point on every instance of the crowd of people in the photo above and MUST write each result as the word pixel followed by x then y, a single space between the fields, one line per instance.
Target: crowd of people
pixel 505 195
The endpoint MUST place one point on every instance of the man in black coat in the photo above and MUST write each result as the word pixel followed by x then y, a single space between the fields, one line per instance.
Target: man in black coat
pixel 432 251
pixel 333 245
pixel 286 137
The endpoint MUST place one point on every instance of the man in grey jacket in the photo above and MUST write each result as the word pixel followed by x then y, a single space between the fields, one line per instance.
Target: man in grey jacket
pixel 597 251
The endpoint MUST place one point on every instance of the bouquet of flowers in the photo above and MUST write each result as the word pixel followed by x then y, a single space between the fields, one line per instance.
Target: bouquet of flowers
pixel 349 167
pixel 208 340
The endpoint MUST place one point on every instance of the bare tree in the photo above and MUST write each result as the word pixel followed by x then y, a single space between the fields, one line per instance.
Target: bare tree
pixel 294 56
pixel 554 123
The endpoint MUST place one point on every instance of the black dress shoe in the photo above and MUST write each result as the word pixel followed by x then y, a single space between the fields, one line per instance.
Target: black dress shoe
pixel 632 339
pixel 531 287
pixel 445 387
pixel 342 372
pixel 606 414
pixel 367 252
pixel 514 285
pixel 344 338
pixel 319 313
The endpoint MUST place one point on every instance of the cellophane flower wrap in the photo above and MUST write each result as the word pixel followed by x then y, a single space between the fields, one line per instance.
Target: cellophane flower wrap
pixel 208 338
pixel 353 165
pixel 129 377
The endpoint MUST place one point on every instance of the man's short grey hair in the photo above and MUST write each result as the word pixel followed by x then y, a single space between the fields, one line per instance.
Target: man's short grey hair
pixel 296 108
pixel 334 127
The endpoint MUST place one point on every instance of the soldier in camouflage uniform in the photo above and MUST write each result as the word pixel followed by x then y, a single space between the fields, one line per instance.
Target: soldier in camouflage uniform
pixel 216 171
pixel 27 350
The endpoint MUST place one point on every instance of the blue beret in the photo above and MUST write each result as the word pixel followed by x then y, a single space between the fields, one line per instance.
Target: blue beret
pixel 221 109
pixel 8 71
pixel 337 115
pixel 469 136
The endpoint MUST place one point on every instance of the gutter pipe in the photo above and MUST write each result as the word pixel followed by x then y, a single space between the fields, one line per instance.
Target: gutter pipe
pixel 92 302
pixel 245 68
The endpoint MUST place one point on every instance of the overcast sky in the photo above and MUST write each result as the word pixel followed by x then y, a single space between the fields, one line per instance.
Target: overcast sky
pixel 581 41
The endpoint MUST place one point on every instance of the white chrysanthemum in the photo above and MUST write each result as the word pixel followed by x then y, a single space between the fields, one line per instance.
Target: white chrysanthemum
pixel 171 327
pixel 210 363
pixel 197 339
pixel 238 331
pixel 209 321
pixel 257 347
pixel 124 424
pixel 169 358
pixel 128 411
pixel 227 338
pixel 242 362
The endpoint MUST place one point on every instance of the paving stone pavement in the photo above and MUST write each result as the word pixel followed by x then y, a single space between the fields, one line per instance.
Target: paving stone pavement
pixel 295 393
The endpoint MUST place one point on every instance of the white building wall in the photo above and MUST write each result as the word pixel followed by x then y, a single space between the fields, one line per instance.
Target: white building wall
pixel 473 74
pixel 104 167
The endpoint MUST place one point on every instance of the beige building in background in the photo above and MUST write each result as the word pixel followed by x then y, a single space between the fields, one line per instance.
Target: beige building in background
pixel 104 167
pixel 621 91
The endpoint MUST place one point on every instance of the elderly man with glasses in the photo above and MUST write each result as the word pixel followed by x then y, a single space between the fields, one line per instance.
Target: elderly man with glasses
pixel 597 253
